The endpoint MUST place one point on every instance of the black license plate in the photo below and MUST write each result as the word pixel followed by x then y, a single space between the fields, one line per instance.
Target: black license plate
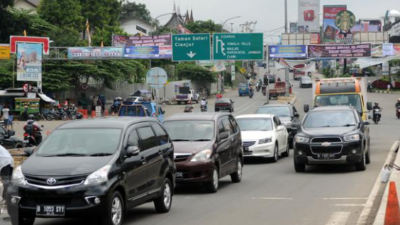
pixel 326 156
pixel 50 210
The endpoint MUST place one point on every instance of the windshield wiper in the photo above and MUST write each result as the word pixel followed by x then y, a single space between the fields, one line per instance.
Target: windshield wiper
pixel 101 154
pixel 65 155
pixel 180 140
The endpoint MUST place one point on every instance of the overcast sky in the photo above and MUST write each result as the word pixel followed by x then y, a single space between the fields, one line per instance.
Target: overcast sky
pixel 269 14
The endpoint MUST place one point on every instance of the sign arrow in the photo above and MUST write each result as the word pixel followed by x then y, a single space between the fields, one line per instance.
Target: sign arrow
pixel 191 54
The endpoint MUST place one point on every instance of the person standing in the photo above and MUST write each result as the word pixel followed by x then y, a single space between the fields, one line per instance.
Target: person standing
pixel 6 116
pixel 388 88
pixel 6 168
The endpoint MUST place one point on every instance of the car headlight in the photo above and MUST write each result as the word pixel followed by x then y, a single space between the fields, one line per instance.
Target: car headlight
pixel 353 137
pixel 18 177
pixel 300 139
pixel 202 156
pixel 98 177
pixel 265 141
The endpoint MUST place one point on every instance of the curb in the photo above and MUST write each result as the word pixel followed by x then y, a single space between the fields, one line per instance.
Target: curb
pixel 293 100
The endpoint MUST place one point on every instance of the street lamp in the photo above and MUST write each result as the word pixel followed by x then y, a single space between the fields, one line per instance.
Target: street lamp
pixel 223 24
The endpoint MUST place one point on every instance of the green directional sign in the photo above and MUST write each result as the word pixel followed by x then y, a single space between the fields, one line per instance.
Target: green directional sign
pixel 243 46
pixel 191 47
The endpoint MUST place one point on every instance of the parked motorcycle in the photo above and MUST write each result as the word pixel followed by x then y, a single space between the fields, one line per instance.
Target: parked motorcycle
pixel 203 108
pixel 377 115
pixel 56 115
pixel 258 88
pixel 398 112
pixel 30 139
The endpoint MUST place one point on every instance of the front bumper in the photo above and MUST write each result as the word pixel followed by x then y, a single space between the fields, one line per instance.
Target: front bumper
pixel 78 200
pixel 259 150
pixel 340 153
pixel 194 172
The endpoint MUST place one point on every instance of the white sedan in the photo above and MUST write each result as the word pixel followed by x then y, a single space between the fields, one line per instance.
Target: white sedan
pixel 263 136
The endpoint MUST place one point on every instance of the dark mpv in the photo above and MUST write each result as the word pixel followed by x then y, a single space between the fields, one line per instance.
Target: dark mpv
pixel 97 169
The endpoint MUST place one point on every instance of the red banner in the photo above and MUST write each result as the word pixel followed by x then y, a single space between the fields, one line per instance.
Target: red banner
pixel 339 51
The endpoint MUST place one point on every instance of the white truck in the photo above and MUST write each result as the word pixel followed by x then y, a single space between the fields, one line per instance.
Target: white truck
pixel 187 95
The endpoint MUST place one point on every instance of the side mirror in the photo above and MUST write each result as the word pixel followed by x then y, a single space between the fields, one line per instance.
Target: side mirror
pixel 296 115
pixel 366 123
pixel 369 105
pixel 306 108
pixel 132 151
pixel 223 136
pixel 11 133
pixel 281 128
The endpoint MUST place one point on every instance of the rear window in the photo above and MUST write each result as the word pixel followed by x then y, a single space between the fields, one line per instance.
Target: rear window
pixel 132 111
pixel 223 100
pixel 148 107
pixel 243 85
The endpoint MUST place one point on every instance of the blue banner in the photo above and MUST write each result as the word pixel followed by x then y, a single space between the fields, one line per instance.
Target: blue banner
pixel 288 51
pixel 94 52
pixel 148 52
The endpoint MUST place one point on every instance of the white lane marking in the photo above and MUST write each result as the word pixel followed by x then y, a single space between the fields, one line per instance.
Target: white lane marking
pixel 253 103
pixel 350 205
pixel 345 198
pixel 338 218
pixel 265 198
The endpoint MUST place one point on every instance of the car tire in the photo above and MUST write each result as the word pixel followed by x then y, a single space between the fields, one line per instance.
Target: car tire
pixel 115 210
pixel 216 110
pixel 179 103
pixel 236 177
pixel 275 158
pixel 286 153
pixel 367 158
pixel 49 117
pixel 212 186
pixel 22 220
pixel 361 166
pixel 164 202
pixel 299 167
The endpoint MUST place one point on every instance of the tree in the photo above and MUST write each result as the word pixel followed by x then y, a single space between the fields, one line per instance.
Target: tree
pixel 194 72
pixel 204 27
pixel 61 13
pixel 5 20
pixel 101 13
pixel 137 10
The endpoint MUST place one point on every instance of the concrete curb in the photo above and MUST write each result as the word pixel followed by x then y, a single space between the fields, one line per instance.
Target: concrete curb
pixel 293 100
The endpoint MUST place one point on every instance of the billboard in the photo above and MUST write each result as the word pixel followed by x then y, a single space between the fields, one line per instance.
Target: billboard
pixel 29 62
pixel 4 51
pixel 339 51
pixel 387 49
pixel 308 17
pixel 125 41
pixel 94 53
pixel 288 51
pixel 148 52
pixel 330 32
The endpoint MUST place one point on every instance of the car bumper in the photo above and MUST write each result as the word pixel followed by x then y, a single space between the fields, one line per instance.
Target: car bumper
pixel 194 172
pixel 304 154
pixel 78 201
pixel 263 150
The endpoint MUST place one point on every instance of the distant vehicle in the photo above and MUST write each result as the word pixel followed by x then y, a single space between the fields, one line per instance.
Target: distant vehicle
pixel 151 108
pixel 287 114
pixel 136 110
pixel 271 78
pixel 278 90
pixel 305 82
pixel 207 148
pixel 243 89
pixel 332 135
pixel 224 104
pixel 133 100
pixel 297 73
pixel 97 170
pixel 8 139
pixel 187 96
pixel 263 136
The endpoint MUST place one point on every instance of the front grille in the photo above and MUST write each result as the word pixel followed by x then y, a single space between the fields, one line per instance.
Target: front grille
pixel 326 150
pixel 249 143
pixel 68 202
pixel 181 158
pixel 61 181
pixel 323 140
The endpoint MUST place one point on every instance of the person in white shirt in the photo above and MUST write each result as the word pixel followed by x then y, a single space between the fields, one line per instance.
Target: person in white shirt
pixel 203 102
pixel 6 168
pixel 6 115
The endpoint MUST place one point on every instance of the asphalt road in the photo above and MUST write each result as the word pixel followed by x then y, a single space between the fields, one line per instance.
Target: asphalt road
pixel 272 193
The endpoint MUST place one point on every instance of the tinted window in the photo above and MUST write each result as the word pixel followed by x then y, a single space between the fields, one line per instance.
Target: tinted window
pixel 227 125
pixel 333 100
pixel 255 124
pixel 132 111
pixel 223 100
pixel 221 127
pixel 162 136
pixel 234 124
pixel 280 111
pixel 147 138
pixel 330 119
pixel 133 139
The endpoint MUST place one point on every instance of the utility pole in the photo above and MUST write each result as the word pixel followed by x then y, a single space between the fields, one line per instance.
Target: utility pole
pixel 286 18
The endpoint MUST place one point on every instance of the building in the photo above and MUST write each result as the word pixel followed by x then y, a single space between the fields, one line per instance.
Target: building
pixel 27 4
pixel 135 26
pixel 178 21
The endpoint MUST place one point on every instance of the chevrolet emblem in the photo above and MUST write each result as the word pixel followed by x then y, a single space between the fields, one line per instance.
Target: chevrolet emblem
pixel 326 144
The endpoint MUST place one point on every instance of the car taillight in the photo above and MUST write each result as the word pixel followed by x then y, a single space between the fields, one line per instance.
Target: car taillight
pixel 26 135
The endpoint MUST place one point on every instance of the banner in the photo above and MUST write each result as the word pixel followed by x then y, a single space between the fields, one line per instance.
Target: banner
pixel 330 32
pixel 339 51
pixel 4 52
pixel 308 17
pixel 29 62
pixel 94 53
pixel 287 51
pixel 148 52
pixel 387 49
pixel 127 41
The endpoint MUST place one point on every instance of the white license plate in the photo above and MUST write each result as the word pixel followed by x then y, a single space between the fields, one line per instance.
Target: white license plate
pixel 179 175
pixel 50 210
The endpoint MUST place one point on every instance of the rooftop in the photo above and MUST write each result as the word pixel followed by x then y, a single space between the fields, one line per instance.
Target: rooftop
pixel 116 123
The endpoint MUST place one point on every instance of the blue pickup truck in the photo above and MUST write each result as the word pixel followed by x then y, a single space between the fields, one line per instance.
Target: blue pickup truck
pixel 151 108
pixel 243 89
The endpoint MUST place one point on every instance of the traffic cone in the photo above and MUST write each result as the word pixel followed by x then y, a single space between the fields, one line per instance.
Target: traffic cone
pixel 392 216
pixel 106 113
pixel 93 114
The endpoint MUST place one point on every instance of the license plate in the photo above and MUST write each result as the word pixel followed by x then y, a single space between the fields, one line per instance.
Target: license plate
pixel 326 156
pixel 179 175
pixel 50 210
pixel 243 89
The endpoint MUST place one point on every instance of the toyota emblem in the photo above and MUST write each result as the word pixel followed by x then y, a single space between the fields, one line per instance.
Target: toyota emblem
pixel 51 181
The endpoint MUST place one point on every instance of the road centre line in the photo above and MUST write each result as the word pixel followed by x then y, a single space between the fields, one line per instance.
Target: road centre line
pixel 266 198
pixel 338 218
pixel 350 205
pixel 344 198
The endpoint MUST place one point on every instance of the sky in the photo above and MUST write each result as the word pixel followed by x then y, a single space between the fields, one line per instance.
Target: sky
pixel 269 14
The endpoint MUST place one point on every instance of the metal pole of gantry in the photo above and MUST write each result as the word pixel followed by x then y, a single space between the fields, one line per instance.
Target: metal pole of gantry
pixel 287 81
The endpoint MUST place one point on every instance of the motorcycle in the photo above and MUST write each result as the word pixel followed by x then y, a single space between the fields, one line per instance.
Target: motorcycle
pixel 258 88
pixel 31 140
pixel 398 112
pixel 377 115
pixel 57 115
pixel 203 108
pixel 264 90
pixel 369 88
pixel 251 94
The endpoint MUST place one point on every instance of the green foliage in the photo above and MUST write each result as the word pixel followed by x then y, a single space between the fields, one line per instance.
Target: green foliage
pixel 6 73
pixel 327 72
pixel 105 34
pixel 101 13
pixel 193 72
pixel 164 30
pixel 395 62
pixel 66 14
pixel 137 10
pixel 370 71
pixel 204 27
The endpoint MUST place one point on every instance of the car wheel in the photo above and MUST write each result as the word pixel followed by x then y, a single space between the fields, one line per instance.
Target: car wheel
pixel 164 202
pixel 361 166
pixel 299 167
pixel 19 145
pixel 367 158
pixel 212 186
pixel 179 103
pixel 64 117
pixel 216 110
pixel 22 220
pixel 115 210
pixel 236 177
pixel 276 154
pixel 286 153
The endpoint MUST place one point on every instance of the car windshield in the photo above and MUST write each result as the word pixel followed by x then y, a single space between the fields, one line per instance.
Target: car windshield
pixel 190 130
pixel 81 142
pixel 329 119
pixel 279 111
pixel 334 100
pixel 305 79
pixel 132 111
pixel 255 124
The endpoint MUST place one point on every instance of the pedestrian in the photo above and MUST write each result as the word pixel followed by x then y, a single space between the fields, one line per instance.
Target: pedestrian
pixel 6 115
pixel 94 103
pixel 6 168
pixel 388 88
